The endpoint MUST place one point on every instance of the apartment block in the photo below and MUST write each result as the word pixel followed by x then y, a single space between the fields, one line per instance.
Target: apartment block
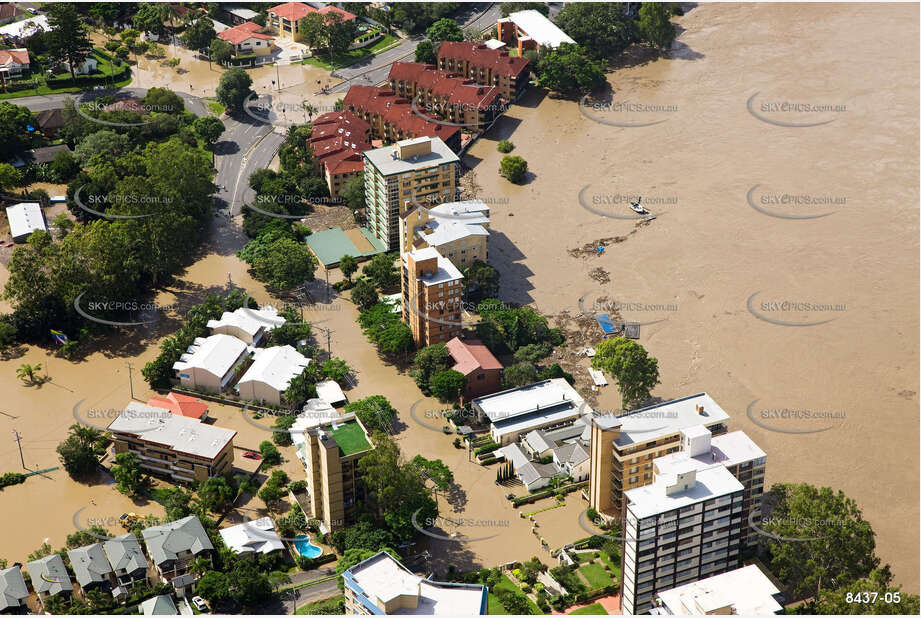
pixel 177 448
pixel 624 447
pixel 392 117
pixel 483 65
pixel 683 527
pixel 381 585
pixel 530 29
pixel 329 446
pixel 422 170
pixel 742 592
pixel 445 95
pixel 338 139
pixel 433 290
pixel 458 230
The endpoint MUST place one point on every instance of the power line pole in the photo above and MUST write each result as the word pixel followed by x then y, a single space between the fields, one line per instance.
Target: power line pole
pixel 17 437
pixel 130 380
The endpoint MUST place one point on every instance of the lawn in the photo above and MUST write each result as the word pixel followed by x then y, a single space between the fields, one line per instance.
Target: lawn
pixel 596 575
pixel 350 438
pixel 323 606
pixel 61 82
pixel 216 108
pixel 595 609
pixel 350 57
pixel 495 608
pixel 506 585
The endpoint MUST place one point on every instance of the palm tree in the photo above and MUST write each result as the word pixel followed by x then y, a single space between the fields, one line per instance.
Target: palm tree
pixel 26 372
pixel 200 565
pixel 309 109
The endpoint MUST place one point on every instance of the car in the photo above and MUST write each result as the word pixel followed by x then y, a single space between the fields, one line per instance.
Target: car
pixel 252 455
pixel 199 604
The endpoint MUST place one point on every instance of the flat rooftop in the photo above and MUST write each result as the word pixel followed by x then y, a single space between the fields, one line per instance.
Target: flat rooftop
pixel 540 28
pixel 728 449
pixel 546 394
pixel 663 419
pixel 651 499
pixel 330 245
pixel 179 433
pixel 446 270
pixel 747 590
pixel 387 161
pixel 351 438
pixel 383 579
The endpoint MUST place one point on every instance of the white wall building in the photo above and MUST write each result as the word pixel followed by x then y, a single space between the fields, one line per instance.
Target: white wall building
pixel 252 537
pixel 209 363
pixel 25 218
pixel 272 370
pixel 742 592
pixel 247 325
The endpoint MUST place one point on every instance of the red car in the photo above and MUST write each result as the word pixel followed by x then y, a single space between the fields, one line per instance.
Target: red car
pixel 252 455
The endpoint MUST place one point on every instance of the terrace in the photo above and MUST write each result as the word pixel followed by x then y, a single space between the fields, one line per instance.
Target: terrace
pixel 351 438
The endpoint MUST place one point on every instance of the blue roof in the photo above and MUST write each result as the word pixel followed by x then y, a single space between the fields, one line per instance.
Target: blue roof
pixel 604 321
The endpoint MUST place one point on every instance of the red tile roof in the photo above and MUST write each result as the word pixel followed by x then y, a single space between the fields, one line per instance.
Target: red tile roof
pixel 446 85
pixel 9 56
pixel 338 139
pixel 396 111
pixel 479 55
pixel 180 405
pixel 294 11
pixel 246 30
pixel 471 355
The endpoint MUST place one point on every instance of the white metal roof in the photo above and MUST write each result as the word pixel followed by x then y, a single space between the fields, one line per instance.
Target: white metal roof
pixel 747 590
pixel 257 536
pixel 541 395
pixel 539 28
pixel 249 320
pixel 180 433
pixel 13 588
pixel 446 270
pixel 25 218
pixel 330 392
pixel 275 366
pixel 652 499
pixel 728 449
pixel 216 354
pixel 663 419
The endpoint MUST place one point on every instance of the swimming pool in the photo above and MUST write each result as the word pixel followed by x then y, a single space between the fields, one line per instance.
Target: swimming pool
pixel 305 548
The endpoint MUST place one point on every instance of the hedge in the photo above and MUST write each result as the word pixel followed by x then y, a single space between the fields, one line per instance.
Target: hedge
pixel 547 493
pixel 489 448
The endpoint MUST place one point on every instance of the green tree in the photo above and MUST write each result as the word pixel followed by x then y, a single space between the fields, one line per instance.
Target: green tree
pixel 199 35
pixel 27 372
pixel 269 453
pixel 270 494
pixel 481 281
pixel 178 502
pixel 282 437
pixel 65 166
pixel 381 271
pixel 68 40
pixel 353 192
pixel 234 89
pixel 445 29
pixel 448 384
pixel 519 374
pixel 311 31
pixel 841 545
pixel 221 51
pixel 350 558
pixel 348 265
pixel 7 332
pixel 654 24
pixel 85 537
pixel 149 18
pixel 569 70
pixel 513 7
pixel 216 494
pixel 363 535
pixel 286 264
pixel 636 372
pixel 214 587
pixel 339 33
pixel 428 361
pixel 603 29
pixel 425 53
pixel 533 352
pixel 82 450
pixel 436 471
pixel 505 146
pixel 374 412
pixel 301 388
pixel 164 101
pixel 14 138
pixel 514 168
pixel 364 294
pixel 869 595
pixel 335 369
pixel 103 145
pixel 127 474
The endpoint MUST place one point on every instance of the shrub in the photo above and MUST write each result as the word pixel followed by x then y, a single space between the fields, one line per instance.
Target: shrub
pixel 505 146
pixel 514 168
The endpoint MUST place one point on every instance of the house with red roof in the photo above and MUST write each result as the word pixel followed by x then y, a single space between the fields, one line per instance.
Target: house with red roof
pixel 483 65
pixel 446 96
pixel 338 139
pixel 14 61
pixel 248 38
pixel 479 366
pixel 392 118
pixel 285 18
pixel 181 405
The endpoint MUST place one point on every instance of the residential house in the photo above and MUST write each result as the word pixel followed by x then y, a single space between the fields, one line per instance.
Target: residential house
pixel 87 66
pixel 161 605
pixel 396 177
pixel 181 405
pixel 338 139
pixel 482 370
pixel 530 29
pixel 271 373
pixel 330 392
pixel 238 14
pixel 174 545
pixel 91 567
pixel 50 578
pixel 50 121
pixel 247 39
pixel 129 565
pixel 14 61
pixel 381 585
pixel 180 449
pixel 285 18
pixel 252 537
pixel 432 290
pixel 25 218
pixel 442 95
pixel 13 590
pixel 392 117
pixel 572 460
pixel 210 363
pixel 45 154
pixel 247 325
pixel 483 65
pixel 746 591
pixel 459 230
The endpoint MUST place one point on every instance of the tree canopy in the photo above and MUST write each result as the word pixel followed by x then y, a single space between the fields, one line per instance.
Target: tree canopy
pixel 636 372
pixel 374 412
pixel 82 450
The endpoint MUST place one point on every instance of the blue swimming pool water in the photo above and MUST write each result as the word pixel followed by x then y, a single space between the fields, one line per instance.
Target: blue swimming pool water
pixel 305 548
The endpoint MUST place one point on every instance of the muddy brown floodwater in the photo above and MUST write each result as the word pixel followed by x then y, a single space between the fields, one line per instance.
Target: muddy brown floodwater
pixel 689 273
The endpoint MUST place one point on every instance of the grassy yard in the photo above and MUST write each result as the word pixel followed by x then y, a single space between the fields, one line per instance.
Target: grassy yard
pixel 506 585
pixel 594 609
pixel 350 57
pixel 596 576
pixel 216 108
pixel 61 82
pixel 332 605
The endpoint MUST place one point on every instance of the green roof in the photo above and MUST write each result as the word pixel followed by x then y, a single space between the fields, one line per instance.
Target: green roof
pixel 330 245
pixel 351 438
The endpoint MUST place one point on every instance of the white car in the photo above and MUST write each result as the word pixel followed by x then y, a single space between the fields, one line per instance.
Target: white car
pixel 199 604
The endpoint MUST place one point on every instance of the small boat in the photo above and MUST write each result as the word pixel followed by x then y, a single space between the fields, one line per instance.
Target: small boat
pixel 637 208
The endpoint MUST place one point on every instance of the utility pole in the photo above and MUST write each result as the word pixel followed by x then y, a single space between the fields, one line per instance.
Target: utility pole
pixel 326 270
pixel 17 437
pixel 328 345
pixel 130 380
